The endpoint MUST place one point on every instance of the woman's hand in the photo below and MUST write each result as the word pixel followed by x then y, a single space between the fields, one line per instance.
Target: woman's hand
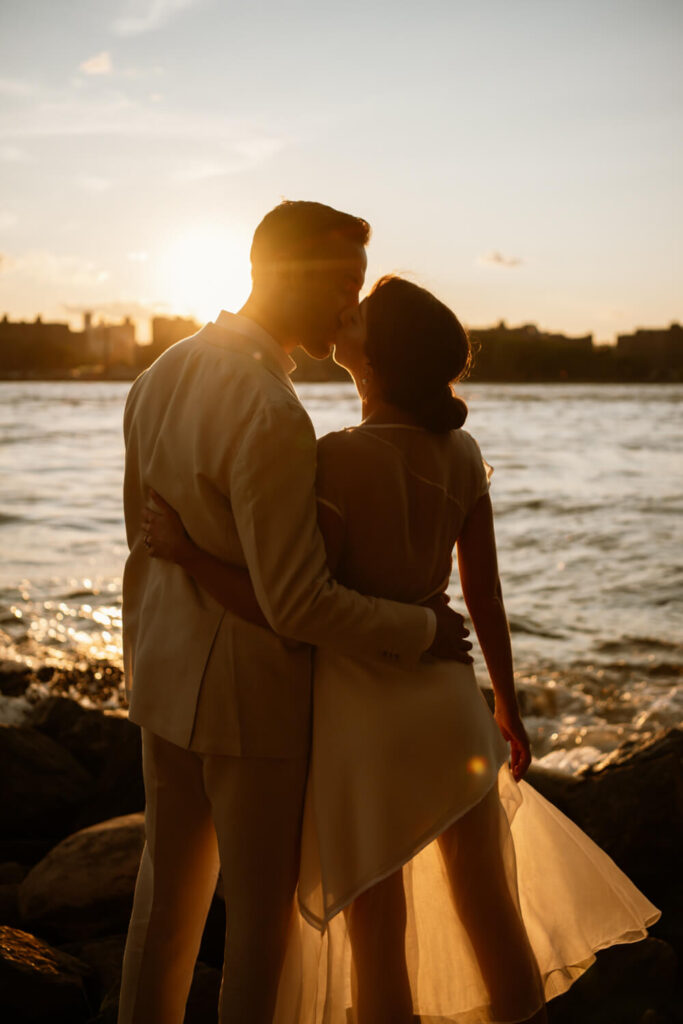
pixel 164 534
pixel 512 728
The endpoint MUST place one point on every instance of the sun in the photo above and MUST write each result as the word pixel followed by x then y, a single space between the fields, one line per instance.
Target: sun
pixel 203 270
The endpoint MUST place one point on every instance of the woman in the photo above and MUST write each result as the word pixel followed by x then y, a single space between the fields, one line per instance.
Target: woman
pixel 466 896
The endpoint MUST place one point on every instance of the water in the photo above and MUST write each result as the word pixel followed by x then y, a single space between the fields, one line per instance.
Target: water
pixel 587 493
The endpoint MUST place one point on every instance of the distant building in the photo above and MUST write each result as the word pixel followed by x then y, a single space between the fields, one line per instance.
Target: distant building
pixel 525 353
pixel 38 346
pixel 658 350
pixel 166 331
pixel 109 344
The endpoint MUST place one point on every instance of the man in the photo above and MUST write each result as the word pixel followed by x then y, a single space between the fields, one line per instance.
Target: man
pixel 216 428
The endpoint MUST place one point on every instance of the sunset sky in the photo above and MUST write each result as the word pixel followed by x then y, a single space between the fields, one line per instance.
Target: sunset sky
pixel 520 157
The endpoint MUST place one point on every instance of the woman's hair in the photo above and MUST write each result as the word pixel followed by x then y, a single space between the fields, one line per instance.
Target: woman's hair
pixel 417 348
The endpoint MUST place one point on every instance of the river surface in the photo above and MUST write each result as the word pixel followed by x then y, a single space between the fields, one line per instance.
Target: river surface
pixel 589 517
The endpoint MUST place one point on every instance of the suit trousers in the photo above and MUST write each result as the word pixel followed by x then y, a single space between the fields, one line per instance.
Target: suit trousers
pixel 205 811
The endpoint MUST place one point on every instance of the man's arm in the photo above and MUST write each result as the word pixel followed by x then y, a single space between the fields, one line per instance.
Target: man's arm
pixel 272 493
pixel 166 538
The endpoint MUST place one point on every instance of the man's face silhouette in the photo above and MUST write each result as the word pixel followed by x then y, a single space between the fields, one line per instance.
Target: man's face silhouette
pixel 324 291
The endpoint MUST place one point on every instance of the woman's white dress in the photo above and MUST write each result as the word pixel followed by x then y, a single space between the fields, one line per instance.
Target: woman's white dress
pixel 401 755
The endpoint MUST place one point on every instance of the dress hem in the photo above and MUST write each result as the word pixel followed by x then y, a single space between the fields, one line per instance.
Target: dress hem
pixel 320 923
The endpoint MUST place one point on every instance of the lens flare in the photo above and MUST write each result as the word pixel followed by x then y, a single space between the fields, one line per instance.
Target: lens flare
pixel 477 765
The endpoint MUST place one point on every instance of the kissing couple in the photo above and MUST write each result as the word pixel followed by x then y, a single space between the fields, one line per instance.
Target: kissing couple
pixel 311 723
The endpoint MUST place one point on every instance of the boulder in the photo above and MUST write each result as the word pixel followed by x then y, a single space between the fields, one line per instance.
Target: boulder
pixel 202 1002
pixel 108 745
pixel 627 984
pixel 12 873
pixel 84 887
pixel 42 787
pixel 104 957
pixel 15 678
pixel 212 948
pixel 631 804
pixel 40 983
pixel 9 904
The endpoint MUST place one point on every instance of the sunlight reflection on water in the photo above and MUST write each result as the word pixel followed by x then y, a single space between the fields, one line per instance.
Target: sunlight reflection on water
pixel 588 518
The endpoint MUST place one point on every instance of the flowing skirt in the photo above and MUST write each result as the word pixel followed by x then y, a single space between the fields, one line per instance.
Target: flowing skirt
pixel 504 901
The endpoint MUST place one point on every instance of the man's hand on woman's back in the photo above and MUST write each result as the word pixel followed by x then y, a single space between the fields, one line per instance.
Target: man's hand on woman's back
pixel 450 640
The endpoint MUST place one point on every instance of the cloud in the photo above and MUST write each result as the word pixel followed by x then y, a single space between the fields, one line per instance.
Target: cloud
pixel 12 155
pixel 69 114
pixel 7 219
pixel 120 308
pixel 153 15
pixel 142 73
pixel 100 64
pixel 241 155
pixel 17 87
pixel 92 183
pixel 54 269
pixel 496 259
pixel 217 145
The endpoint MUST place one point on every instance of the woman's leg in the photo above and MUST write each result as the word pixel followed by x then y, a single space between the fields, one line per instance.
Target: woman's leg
pixel 473 852
pixel 377 926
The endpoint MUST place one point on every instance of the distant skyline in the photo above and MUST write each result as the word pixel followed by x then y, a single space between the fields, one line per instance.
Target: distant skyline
pixel 521 159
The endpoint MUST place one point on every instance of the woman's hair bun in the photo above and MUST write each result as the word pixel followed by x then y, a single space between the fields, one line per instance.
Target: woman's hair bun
pixel 417 348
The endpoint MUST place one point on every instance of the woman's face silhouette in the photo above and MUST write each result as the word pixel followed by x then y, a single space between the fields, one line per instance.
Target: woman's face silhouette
pixel 349 347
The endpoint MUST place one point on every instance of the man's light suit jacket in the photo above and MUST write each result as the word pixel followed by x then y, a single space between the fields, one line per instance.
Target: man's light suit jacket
pixel 215 426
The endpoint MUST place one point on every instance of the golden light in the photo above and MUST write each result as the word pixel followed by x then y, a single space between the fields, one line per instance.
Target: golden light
pixel 204 270
pixel 477 765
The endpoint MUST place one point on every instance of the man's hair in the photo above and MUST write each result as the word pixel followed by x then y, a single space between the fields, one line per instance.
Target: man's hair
pixel 296 231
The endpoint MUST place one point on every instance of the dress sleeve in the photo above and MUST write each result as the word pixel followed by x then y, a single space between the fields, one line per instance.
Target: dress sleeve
pixel 480 471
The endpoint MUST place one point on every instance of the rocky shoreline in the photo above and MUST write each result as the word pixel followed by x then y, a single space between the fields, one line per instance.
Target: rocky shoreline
pixel 72 831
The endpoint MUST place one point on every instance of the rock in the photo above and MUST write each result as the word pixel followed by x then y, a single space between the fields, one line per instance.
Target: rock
pixel 625 984
pixel 15 710
pixel 106 744
pixel 39 983
pixel 15 677
pixel 84 887
pixel 42 787
pixel 119 787
pixel 91 735
pixel 202 1002
pixel 212 948
pixel 56 716
pixel 109 1008
pixel 104 957
pixel 12 872
pixel 631 804
pixel 9 904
